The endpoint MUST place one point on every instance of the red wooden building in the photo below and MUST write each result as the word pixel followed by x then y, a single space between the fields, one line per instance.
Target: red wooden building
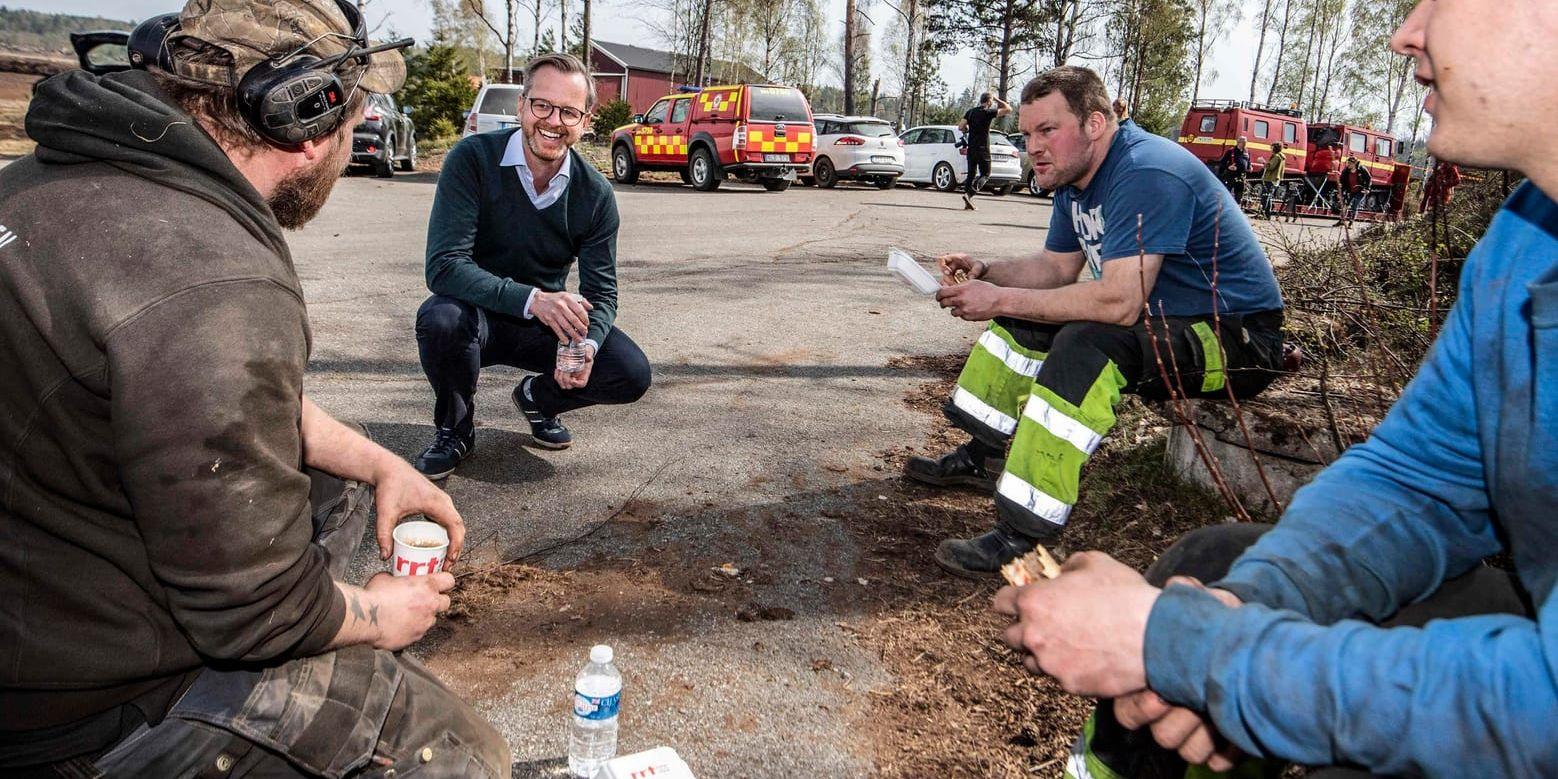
pixel 640 76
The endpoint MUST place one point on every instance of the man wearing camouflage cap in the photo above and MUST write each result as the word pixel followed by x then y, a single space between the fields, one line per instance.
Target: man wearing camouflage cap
pixel 175 515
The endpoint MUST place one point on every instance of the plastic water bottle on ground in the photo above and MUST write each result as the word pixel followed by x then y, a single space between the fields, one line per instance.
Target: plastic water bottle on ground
pixel 570 356
pixel 597 691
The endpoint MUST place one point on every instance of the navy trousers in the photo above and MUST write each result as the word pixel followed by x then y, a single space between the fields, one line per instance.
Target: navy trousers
pixel 457 339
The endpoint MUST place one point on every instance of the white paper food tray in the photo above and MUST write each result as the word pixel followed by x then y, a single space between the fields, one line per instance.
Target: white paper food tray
pixel 904 265
pixel 657 763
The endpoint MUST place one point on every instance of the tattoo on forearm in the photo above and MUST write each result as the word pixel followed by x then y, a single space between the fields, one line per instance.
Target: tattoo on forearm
pixel 357 612
pixel 373 615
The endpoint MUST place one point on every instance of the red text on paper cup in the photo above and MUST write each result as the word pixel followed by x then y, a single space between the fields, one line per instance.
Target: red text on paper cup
pixel 412 568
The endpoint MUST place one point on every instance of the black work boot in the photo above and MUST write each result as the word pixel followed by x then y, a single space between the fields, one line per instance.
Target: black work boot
pixel 982 556
pixel 961 467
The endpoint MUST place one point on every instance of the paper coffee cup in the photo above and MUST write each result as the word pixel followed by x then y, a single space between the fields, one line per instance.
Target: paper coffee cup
pixel 420 549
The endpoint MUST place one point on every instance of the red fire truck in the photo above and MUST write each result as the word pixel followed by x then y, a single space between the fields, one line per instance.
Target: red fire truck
pixel 1315 153
pixel 1331 144
pixel 1213 126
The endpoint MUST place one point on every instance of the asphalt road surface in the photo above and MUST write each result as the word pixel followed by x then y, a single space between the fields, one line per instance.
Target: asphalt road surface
pixel 769 319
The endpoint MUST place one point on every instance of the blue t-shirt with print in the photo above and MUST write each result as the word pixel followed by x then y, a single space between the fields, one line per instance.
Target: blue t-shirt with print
pixel 1184 212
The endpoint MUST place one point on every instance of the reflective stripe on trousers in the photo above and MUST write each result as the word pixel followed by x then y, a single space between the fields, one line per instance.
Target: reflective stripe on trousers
pixel 995 382
pixel 1054 438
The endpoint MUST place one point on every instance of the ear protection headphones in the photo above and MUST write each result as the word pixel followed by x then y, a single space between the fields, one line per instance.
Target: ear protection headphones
pixel 288 99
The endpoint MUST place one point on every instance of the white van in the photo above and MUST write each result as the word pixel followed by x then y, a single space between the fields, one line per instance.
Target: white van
pixel 496 108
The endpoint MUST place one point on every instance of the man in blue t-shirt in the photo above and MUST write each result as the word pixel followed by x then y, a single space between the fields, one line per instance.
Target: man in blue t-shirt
pixel 1144 224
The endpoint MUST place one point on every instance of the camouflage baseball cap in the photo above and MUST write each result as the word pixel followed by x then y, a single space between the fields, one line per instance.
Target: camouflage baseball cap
pixel 220 40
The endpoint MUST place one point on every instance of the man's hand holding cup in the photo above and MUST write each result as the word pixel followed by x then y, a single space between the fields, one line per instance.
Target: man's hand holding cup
pixel 401 609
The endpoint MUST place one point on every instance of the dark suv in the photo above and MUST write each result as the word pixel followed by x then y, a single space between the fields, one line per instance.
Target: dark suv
pixel 386 137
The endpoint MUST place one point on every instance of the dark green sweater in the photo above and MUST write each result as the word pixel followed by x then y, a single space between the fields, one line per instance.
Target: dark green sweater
pixel 489 246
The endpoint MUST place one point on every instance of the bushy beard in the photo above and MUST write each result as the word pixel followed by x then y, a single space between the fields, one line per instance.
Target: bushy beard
pixel 298 198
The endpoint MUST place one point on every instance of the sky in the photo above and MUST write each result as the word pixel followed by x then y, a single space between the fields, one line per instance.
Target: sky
pixel 623 21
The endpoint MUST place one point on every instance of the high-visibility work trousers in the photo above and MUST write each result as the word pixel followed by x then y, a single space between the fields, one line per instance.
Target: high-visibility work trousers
pixel 1046 393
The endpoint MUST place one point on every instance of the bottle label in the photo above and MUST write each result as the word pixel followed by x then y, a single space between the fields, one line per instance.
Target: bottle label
pixel 596 708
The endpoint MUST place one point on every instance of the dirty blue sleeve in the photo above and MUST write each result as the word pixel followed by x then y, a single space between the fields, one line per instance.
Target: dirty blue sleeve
pixel 1157 201
pixel 1062 236
pixel 1464 697
pixel 451 237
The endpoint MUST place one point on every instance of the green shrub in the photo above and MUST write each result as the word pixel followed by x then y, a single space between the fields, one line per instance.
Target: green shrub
pixel 611 116
pixel 440 128
pixel 438 89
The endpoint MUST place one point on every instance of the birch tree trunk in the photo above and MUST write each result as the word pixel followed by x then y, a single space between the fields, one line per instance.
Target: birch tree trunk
pixel 849 57
pixel 911 21
pixel 1260 46
pixel 1282 49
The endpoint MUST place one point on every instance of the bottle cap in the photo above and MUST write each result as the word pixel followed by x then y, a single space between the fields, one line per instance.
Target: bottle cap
pixel 600 653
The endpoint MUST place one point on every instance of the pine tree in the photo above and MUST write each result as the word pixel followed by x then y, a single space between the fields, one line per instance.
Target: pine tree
pixel 438 89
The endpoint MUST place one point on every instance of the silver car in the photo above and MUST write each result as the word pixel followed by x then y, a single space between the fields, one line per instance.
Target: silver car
pixel 496 108
pixel 1021 142
pixel 863 148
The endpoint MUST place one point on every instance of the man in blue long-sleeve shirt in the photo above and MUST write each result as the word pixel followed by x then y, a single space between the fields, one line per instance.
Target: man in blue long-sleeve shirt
pixel 1314 646
pixel 514 210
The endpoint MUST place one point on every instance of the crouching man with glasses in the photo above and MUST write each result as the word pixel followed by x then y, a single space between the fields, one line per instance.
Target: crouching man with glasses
pixel 514 210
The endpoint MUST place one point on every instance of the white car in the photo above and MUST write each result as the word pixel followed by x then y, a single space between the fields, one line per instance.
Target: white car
pixel 863 148
pixel 496 108
pixel 932 157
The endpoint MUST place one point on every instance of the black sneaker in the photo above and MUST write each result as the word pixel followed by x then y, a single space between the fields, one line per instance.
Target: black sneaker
pixel 548 432
pixel 968 203
pixel 441 457
pixel 957 468
pixel 981 557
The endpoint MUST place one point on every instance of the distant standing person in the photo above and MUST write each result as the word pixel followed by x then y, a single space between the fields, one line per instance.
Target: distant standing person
pixel 1122 112
pixel 1354 187
pixel 1440 185
pixel 976 128
pixel 1271 177
pixel 1233 167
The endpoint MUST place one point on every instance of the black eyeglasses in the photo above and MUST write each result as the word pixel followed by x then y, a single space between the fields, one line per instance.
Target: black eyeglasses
pixel 543 109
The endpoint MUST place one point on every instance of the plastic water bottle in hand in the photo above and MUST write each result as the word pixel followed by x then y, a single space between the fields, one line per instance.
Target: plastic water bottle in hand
pixel 597 691
pixel 571 355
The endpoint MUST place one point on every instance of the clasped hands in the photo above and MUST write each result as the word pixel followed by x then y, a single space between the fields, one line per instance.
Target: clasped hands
pixel 1087 629
pixel 972 299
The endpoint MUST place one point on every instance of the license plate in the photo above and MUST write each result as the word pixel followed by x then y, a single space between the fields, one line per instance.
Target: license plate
pixel 882 159
pixel 776 158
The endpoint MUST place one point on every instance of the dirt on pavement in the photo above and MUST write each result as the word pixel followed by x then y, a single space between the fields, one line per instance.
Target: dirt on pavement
pixel 958 702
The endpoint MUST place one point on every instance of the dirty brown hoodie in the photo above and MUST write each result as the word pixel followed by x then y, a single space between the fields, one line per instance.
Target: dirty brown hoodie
pixel 154 516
